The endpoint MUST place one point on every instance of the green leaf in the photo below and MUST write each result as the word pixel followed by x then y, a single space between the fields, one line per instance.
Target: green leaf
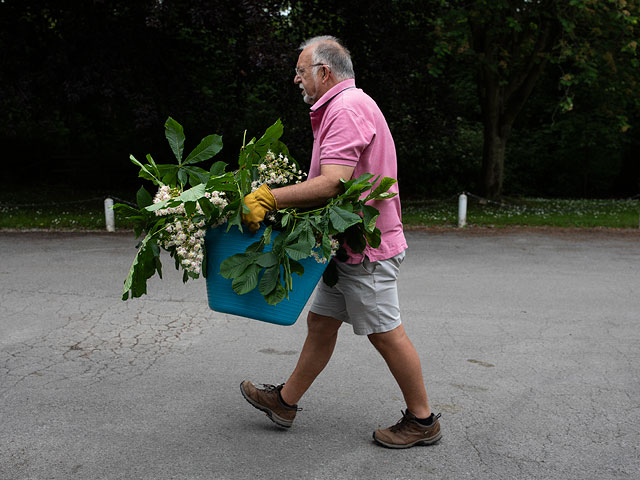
pixel 326 246
pixel 278 147
pixel 189 208
pixel 296 267
pixel 208 147
pixel 245 151
pixel 197 175
pixel 175 136
pixel 193 194
pixel 247 281
pixel 279 243
pixel 288 284
pixel 272 134
pixel 362 181
pixel 127 211
pixel 301 241
pixel 276 296
pixel 255 247
pixel 267 259
pixel 304 231
pixel 144 266
pixel 218 169
pixel 153 165
pixel 266 236
pixel 341 219
pixel 183 176
pixel 269 280
pixel 143 198
pixel 171 177
pixel 225 182
pixel 369 216
pixel 235 219
pixel 163 204
pixel 285 219
pixel 235 265
pixel 354 187
pixel 373 238
pixel 386 195
pixel 385 184
pixel 144 171
pixel 207 207
pixel 299 251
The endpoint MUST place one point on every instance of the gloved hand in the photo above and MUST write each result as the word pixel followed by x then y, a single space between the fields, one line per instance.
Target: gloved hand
pixel 260 202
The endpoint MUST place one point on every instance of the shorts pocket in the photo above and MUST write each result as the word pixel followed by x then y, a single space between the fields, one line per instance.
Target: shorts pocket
pixel 369 266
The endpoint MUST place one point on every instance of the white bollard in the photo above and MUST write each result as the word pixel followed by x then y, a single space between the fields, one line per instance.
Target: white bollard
pixel 108 215
pixel 462 210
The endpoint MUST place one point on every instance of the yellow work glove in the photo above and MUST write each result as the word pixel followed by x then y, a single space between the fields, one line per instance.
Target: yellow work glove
pixel 259 202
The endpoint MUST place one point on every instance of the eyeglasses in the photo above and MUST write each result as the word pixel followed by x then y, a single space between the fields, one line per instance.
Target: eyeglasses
pixel 300 71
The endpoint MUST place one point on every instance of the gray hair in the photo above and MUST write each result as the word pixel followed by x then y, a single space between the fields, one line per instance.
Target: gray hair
pixel 330 51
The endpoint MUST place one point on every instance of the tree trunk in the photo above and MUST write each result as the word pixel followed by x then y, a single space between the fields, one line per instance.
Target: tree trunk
pixel 503 94
pixel 497 128
pixel 495 142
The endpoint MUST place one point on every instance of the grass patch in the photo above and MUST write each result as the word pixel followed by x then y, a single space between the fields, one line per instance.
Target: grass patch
pixel 46 210
pixel 81 210
pixel 526 212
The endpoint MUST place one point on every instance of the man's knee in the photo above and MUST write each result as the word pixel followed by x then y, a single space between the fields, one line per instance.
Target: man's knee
pixel 388 340
pixel 321 325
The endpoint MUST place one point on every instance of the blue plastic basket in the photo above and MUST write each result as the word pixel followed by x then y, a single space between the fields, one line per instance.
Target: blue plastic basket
pixel 220 245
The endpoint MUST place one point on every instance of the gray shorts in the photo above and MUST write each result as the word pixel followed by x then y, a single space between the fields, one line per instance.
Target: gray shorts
pixel 366 296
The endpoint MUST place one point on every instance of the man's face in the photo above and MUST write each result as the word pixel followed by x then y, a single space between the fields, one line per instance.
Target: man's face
pixel 304 77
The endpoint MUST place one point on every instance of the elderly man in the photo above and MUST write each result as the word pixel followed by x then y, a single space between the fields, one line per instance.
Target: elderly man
pixel 351 137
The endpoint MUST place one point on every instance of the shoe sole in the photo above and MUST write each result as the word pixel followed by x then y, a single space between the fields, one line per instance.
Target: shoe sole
pixel 423 442
pixel 281 422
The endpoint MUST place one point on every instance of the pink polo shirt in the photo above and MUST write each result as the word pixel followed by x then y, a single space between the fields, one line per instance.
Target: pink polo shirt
pixel 349 129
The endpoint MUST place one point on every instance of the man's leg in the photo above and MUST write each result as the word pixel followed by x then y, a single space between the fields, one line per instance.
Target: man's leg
pixel 317 350
pixel 404 363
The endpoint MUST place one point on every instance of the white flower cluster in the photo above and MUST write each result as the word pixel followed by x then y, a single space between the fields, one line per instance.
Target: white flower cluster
pixel 277 170
pixel 166 193
pixel 183 233
pixel 218 200
pixel 188 238
pixel 317 254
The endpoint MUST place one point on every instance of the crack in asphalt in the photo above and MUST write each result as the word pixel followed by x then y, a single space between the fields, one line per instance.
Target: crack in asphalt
pixel 100 340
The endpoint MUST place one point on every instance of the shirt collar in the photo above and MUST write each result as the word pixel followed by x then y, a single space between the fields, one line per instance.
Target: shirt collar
pixel 332 92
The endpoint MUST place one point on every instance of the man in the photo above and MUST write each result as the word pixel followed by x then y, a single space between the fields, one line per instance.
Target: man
pixel 351 137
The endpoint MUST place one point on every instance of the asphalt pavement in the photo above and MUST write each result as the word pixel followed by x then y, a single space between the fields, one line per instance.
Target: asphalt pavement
pixel 529 341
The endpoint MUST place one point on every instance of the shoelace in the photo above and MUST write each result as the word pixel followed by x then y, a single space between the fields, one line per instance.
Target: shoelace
pixel 403 421
pixel 269 387
pixel 275 388
pixel 406 419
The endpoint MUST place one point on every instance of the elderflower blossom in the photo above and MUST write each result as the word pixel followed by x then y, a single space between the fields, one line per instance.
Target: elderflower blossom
pixel 277 170
pixel 184 234
pixel 317 254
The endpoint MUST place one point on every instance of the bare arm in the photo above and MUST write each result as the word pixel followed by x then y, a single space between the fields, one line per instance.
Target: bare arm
pixel 316 191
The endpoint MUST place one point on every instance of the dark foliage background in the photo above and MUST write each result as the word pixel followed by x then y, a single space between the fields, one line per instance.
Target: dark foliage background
pixel 83 84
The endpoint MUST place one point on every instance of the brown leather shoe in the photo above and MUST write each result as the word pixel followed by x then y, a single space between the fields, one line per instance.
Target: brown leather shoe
pixel 268 400
pixel 409 432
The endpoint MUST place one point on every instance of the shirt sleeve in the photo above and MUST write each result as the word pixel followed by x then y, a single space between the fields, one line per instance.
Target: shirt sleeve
pixel 347 136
